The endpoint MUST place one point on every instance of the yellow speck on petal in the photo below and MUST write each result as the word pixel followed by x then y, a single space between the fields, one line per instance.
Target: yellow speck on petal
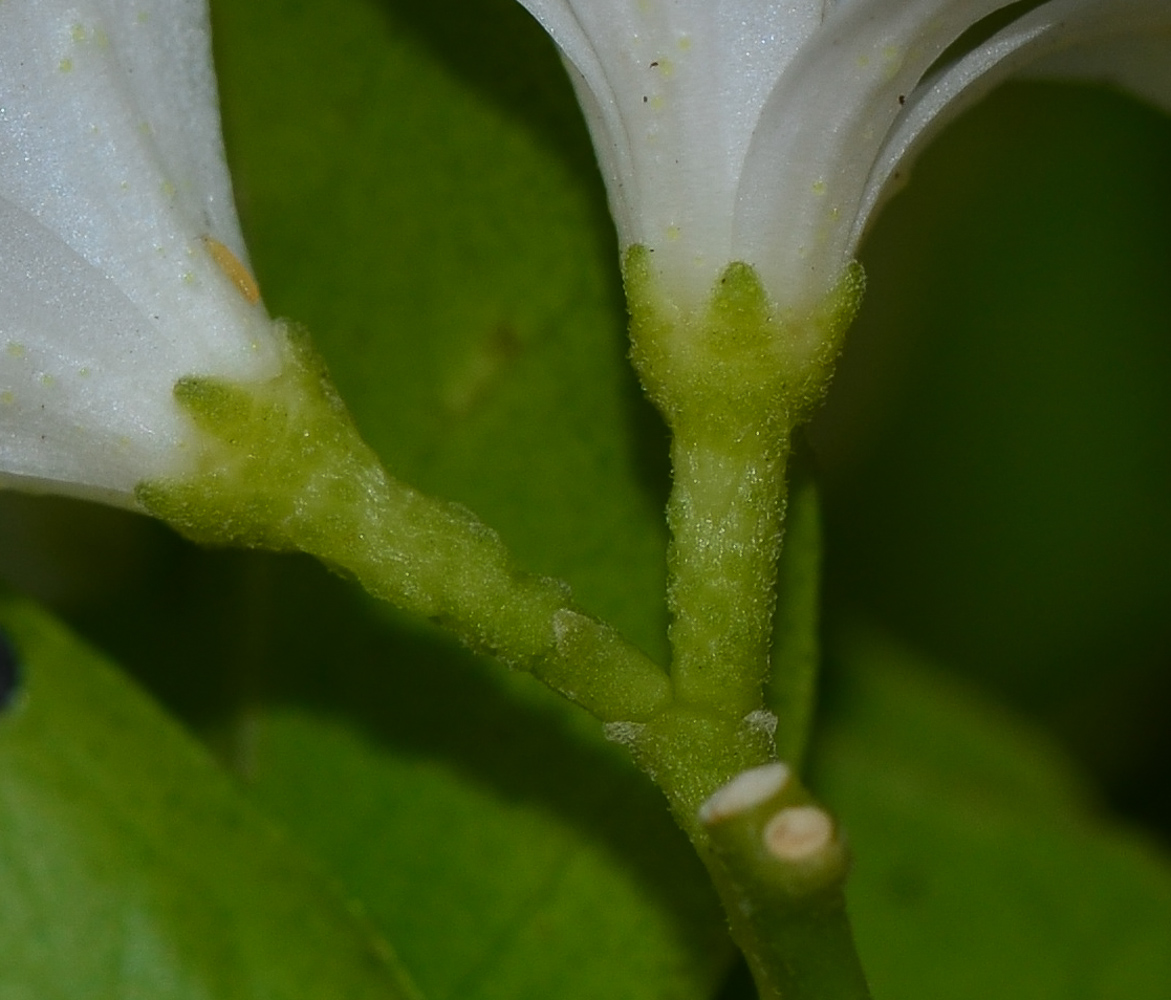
pixel 892 60
pixel 78 33
pixel 819 187
pixel 47 379
pixel 673 232
pixel 15 350
pixel 168 189
pixel 665 67
pixel 231 265
pixel 83 372
pixel 684 43
pixel 65 65
pixel 7 397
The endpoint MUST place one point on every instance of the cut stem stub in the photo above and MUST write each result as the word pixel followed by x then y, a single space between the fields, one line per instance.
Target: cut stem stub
pixel 780 866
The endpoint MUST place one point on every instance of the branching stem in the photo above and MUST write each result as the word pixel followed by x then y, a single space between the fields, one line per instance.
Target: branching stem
pixel 281 466
pixel 733 382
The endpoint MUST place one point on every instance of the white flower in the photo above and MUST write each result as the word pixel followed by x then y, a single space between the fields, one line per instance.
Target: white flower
pixel 121 259
pixel 768 131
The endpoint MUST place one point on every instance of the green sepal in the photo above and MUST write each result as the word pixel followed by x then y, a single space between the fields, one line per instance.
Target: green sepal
pixel 733 380
pixel 743 361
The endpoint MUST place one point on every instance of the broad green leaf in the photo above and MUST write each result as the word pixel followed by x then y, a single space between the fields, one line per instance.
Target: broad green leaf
pixel 131 867
pixel 498 841
pixel 555 890
pixel 981 868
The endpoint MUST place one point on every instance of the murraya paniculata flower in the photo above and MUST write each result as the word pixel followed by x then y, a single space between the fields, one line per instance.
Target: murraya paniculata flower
pixel 769 131
pixel 122 266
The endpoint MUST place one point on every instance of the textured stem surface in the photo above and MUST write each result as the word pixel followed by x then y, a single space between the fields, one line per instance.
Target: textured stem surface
pixel 732 381
pixel 725 516
pixel 282 467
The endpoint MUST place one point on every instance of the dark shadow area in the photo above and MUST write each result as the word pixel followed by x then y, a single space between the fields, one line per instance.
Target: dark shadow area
pixel 651 445
pixel 738 984
pixel 995 444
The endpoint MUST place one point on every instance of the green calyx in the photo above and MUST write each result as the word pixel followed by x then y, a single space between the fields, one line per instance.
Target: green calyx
pixel 743 360
pixel 273 458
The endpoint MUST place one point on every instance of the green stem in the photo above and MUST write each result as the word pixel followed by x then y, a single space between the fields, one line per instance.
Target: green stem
pixel 791 692
pixel 733 381
pixel 690 751
pixel 780 867
pixel 725 515
pixel 776 858
pixel 282 467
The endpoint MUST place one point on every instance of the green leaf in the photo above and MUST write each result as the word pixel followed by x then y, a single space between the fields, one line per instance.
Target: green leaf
pixel 981 868
pixel 131 867
pixel 505 848
pixel 419 190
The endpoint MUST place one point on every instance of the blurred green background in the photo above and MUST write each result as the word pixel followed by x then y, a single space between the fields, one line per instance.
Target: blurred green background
pixel 996 450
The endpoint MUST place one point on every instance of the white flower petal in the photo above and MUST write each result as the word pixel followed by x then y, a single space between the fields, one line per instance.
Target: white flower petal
pixel 1137 60
pixel 672 91
pixel 112 181
pixel 821 130
pixel 1123 42
pixel 768 133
